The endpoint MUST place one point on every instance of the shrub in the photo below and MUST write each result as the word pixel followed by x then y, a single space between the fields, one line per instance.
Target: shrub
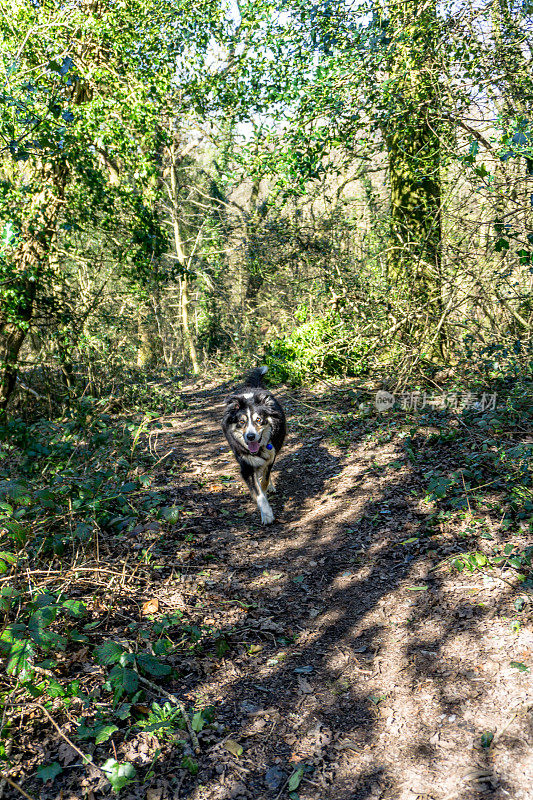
pixel 317 348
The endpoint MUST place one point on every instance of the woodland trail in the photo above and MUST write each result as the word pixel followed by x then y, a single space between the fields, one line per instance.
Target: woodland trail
pixel 345 648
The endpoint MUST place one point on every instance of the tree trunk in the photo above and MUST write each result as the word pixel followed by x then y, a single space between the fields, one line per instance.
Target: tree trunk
pixel 184 264
pixel 412 139
pixel 187 335
pixel 28 264
pixel 149 348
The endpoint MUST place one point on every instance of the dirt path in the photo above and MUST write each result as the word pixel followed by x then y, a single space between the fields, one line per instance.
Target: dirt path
pixel 343 648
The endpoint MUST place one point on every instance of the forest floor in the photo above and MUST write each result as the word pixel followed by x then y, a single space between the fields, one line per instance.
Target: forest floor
pixel 340 654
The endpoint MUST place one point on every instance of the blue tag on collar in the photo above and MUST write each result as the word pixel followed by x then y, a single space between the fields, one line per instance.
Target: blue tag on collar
pixel 269 446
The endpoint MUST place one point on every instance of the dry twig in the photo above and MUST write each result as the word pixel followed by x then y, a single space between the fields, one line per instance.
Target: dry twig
pixel 16 786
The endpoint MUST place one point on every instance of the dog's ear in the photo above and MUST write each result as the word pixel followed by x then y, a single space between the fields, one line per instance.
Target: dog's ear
pixel 265 400
pixel 232 403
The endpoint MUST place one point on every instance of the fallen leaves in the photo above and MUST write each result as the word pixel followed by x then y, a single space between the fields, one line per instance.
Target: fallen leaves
pixel 233 747
pixel 150 607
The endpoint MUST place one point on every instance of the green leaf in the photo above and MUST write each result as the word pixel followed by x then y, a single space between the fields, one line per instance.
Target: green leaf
pixel 19 533
pixel 118 775
pixel 75 607
pixel 190 764
pixel 104 733
pixel 37 627
pixel 90 626
pixel 123 711
pixel 21 658
pixel 124 678
pixel 519 666
pixel 127 659
pixel 411 540
pixel 76 636
pixel 108 653
pixel 198 722
pixel 12 633
pixel 486 738
pixel 152 665
pixel 171 514
pixel 54 689
pixel 7 595
pixel 49 772
pixel 501 244
pixel 417 588
pixel 84 731
pixel 482 171
pixel 294 780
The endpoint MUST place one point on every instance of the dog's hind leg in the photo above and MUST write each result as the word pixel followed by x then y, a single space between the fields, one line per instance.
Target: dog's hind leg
pixel 254 484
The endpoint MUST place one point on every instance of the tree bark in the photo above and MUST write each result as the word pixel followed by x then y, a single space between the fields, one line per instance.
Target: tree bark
pixel 183 261
pixel 28 264
pixel 149 348
pixel 412 138
pixel 189 340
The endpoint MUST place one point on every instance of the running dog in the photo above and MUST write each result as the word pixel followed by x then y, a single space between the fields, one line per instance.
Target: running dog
pixel 254 425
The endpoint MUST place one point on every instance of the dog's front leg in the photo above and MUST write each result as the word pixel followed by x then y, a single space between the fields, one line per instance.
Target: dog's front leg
pixel 266 481
pixel 256 490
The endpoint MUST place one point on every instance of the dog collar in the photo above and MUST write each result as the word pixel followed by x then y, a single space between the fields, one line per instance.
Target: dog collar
pixel 269 446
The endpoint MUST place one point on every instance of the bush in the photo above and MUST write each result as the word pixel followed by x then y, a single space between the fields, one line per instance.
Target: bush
pixel 315 349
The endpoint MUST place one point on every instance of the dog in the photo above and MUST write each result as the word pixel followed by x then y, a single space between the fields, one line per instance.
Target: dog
pixel 254 425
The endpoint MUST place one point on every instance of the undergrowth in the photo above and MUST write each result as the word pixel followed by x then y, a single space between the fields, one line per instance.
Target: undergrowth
pixel 72 491
pixel 321 347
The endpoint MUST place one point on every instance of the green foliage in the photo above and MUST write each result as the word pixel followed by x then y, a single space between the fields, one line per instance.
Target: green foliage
pixel 78 469
pixel 49 772
pixel 489 471
pixel 315 349
pixel 119 775
pixel 520 666
pixel 190 764
pixel 100 732
pixel 33 633
pixel 164 721
pixel 486 739
pixel 126 668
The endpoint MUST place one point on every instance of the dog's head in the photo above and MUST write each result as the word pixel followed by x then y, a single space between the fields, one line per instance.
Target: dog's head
pixel 247 417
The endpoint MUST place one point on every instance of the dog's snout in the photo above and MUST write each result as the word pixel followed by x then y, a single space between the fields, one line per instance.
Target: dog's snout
pixel 250 435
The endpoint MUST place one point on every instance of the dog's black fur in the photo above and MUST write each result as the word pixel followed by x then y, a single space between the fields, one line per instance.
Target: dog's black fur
pixel 254 425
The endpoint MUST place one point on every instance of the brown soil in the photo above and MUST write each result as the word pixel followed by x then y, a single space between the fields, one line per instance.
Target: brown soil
pixel 364 659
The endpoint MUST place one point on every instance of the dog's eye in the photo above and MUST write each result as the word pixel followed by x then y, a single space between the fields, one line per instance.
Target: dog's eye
pixel 259 420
